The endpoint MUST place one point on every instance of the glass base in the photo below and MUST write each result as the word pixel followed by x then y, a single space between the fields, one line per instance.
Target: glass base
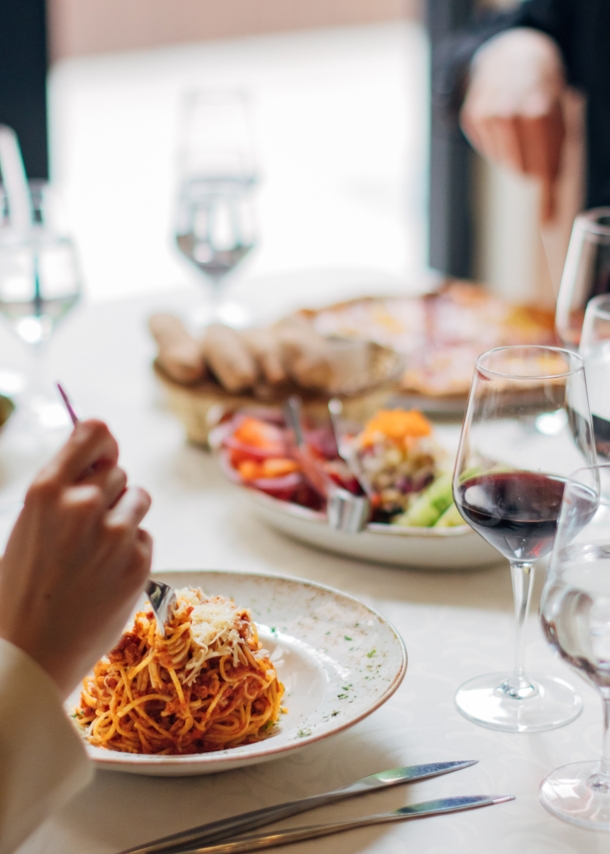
pixel 533 704
pixel 574 794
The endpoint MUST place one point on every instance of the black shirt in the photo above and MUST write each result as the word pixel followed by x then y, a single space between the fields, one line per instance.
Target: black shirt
pixel 581 29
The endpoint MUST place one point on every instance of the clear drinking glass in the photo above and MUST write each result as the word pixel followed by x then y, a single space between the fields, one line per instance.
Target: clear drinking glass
pixel 586 273
pixel 575 613
pixel 527 427
pixel 595 351
pixel 40 283
pixel 215 220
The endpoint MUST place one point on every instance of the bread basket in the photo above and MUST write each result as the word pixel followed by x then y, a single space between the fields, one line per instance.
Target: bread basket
pixel 200 407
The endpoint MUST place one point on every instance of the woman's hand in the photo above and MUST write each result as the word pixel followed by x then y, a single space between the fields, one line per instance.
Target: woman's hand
pixel 512 113
pixel 76 560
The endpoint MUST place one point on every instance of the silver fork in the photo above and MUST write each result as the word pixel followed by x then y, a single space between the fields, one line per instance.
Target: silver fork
pixel 161 596
pixel 162 599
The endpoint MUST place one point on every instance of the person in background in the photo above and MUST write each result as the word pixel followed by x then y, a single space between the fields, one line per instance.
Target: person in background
pixel 506 79
pixel 74 566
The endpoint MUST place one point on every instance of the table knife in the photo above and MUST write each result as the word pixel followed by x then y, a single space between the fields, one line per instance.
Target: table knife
pixel 297 834
pixel 217 830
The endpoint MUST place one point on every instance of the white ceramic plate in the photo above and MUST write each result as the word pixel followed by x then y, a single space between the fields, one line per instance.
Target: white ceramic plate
pixel 426 548
pixel 338 659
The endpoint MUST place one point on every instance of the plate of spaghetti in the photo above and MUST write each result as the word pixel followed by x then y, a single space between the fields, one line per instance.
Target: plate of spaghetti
pixel 251 666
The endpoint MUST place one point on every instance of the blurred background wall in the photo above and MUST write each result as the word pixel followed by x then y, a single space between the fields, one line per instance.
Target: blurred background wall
pixel 117 67
pixel 82 27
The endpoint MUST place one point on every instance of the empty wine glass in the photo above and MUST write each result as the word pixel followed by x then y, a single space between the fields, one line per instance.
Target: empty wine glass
pixel 527 426
pixel 40 283
pixel 575 613
pixel 215 221
pixel 586 272
pixel 595 351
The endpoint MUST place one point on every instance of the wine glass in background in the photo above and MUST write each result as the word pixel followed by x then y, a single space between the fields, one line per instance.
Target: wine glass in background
pixel 215 220
pixel 527 427
pixel 40 283
pixel 586 273
pixel 595 351
pixel 575 613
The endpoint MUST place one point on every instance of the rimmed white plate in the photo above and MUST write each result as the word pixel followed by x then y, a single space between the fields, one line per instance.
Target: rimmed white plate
pixel 339 660
pixel 425 548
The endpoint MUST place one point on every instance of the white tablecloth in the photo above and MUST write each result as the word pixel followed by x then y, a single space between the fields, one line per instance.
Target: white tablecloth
pixel 455 625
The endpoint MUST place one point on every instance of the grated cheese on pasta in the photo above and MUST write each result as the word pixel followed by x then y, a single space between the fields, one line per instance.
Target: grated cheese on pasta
pixel 218 628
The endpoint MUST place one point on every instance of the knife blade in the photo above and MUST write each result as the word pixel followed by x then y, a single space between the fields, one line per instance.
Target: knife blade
pixel 217 830
pixel 258 841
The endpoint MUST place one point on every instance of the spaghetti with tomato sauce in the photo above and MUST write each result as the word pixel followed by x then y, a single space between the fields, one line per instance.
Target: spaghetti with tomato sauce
pixel 207 685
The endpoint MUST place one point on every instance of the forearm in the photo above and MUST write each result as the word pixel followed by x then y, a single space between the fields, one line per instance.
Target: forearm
pixel 42 760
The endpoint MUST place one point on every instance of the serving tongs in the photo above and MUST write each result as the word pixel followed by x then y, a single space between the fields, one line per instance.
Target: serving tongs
pixel 344 510
pixel 161 596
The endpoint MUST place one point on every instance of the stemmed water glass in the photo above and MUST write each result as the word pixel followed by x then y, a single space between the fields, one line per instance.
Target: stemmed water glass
pixel 40 283
pixel 215 222
pixel 527 426
pixel 586 273
pixel 575 612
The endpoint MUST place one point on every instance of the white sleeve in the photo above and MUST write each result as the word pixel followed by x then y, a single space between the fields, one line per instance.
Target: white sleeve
pixel 43 762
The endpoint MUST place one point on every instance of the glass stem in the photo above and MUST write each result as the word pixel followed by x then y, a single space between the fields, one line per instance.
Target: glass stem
pixel 605 760
pixel 601 781
pixel 38 373
pixel 216 297
pixel 522 575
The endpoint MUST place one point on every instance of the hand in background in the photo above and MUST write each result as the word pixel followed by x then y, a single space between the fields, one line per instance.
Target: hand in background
pixel 76 559
pixel 512 113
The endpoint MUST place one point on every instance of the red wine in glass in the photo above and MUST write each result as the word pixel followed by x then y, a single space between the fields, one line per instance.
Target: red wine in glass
pixel 516 511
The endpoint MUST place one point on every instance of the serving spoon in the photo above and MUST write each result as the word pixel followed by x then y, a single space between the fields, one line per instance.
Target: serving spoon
pixel 161 596
pixel 346 453
pixel 344 510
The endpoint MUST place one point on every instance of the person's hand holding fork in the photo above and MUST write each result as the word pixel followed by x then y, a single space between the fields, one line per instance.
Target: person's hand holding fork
pixel 77 558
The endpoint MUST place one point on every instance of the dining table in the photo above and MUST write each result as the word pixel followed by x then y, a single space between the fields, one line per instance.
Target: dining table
pixel 456 624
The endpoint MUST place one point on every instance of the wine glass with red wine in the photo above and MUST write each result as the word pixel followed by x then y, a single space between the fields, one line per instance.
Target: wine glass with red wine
pixel 527 427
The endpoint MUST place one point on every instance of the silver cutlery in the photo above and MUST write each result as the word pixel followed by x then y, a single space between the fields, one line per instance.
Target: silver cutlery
pixel 221 829
pixel 67 403
pixel 335 411
pixel 284 837
pixel 161 596
pixel 162 599
pixel 344 510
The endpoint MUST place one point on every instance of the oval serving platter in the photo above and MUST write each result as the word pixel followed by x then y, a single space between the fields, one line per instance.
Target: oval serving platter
pixel 339 660
pixel 422 548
